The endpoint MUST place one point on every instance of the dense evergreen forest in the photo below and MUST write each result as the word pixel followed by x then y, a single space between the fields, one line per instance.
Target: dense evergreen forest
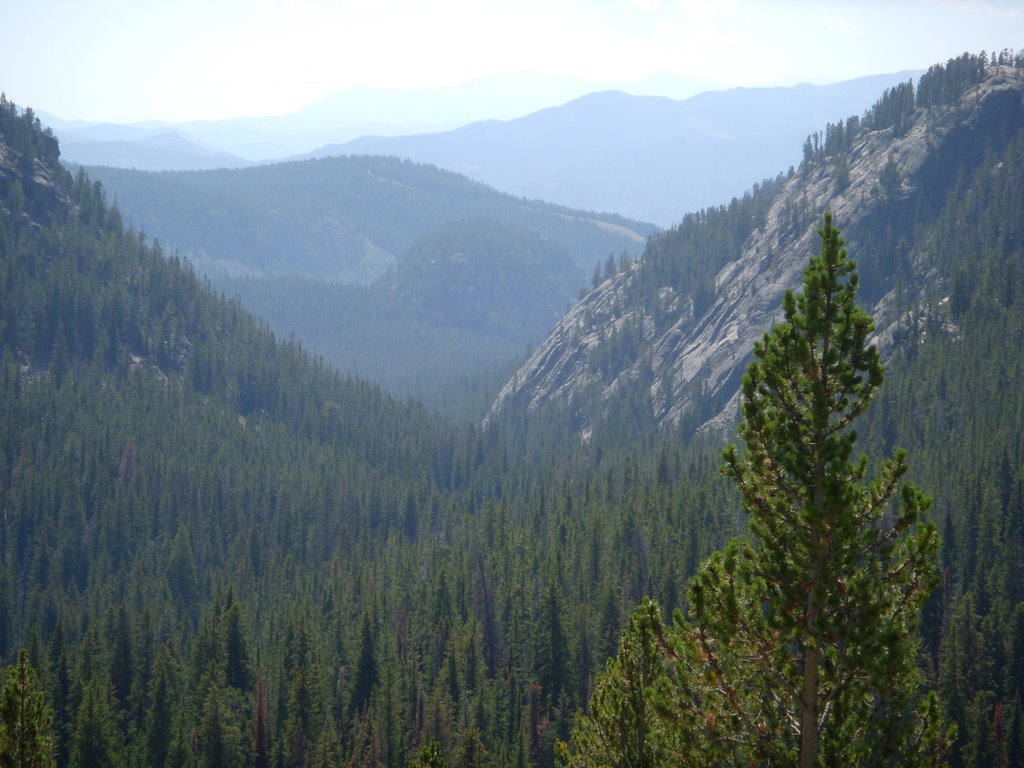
pixel 216 551
pixel 446 326
pixel 347 255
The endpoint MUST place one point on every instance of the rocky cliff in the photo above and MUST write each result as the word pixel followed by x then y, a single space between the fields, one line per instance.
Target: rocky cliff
pixel 30 177
pixel 883 177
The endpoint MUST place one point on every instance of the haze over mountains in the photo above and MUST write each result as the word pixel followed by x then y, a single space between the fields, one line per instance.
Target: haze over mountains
pixel 344 116
pixel 646 157
pixel 343 219
pixel 163 148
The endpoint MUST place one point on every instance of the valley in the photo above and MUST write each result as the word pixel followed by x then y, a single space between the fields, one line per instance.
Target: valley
pixel 356 461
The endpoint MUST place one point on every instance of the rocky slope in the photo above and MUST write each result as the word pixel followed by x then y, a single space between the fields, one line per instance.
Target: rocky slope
pixel 27 170
pixel 887 177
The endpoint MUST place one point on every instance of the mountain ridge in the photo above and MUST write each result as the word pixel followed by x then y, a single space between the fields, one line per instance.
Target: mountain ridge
pixel 363 110
pixel 345 219
pixel 637 154
pixel 680 355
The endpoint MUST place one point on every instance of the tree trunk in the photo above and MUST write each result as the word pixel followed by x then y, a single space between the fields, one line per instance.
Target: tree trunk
pixel 809 708
pixel 812 662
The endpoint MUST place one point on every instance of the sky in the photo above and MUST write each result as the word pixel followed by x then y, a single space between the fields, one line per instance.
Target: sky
pixel 179 60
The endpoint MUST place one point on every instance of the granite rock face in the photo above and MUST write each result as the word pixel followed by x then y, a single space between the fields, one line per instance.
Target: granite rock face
pixel 33 171
pixel 706 353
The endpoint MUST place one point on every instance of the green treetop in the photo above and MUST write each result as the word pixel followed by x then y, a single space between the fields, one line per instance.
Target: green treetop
pixel 810 628
pixel 26 720
pixel 802 644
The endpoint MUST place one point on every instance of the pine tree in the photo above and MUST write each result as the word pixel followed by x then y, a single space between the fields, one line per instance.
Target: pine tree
pixel 367 672
pixel 96 740
pixel 551 648
pixel 327 752
pixel 121 662
pixel 298 736
pixel 26 720
pixel 219 742
pixel 808 632
pixel 625 727
pixel 430 756
pixel 803 641
pixel 235 651
pixel 261 733
pixel 159 717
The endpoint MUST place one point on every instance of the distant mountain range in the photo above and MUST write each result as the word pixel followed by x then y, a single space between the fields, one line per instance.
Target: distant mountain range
pixel 645 157
pixel 151 149
pixel 340 117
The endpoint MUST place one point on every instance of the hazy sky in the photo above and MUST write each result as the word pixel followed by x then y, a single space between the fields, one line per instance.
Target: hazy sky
pixel 125 60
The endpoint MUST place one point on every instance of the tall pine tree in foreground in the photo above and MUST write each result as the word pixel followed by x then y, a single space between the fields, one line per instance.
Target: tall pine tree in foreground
pixel 803 640
pixel 810 628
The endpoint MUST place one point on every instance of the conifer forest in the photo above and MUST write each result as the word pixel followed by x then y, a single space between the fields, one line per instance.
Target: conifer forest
pixel 219 547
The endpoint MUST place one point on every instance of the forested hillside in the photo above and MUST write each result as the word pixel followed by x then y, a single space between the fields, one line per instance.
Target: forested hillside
pixel 343 219
pixel 446 326
pixel 667 339
pixel 319 250
pixel 215 551
pixel 941 258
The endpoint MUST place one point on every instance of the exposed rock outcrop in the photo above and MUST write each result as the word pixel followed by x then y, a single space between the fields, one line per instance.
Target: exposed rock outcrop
pixel 703 354
pixel 29 167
